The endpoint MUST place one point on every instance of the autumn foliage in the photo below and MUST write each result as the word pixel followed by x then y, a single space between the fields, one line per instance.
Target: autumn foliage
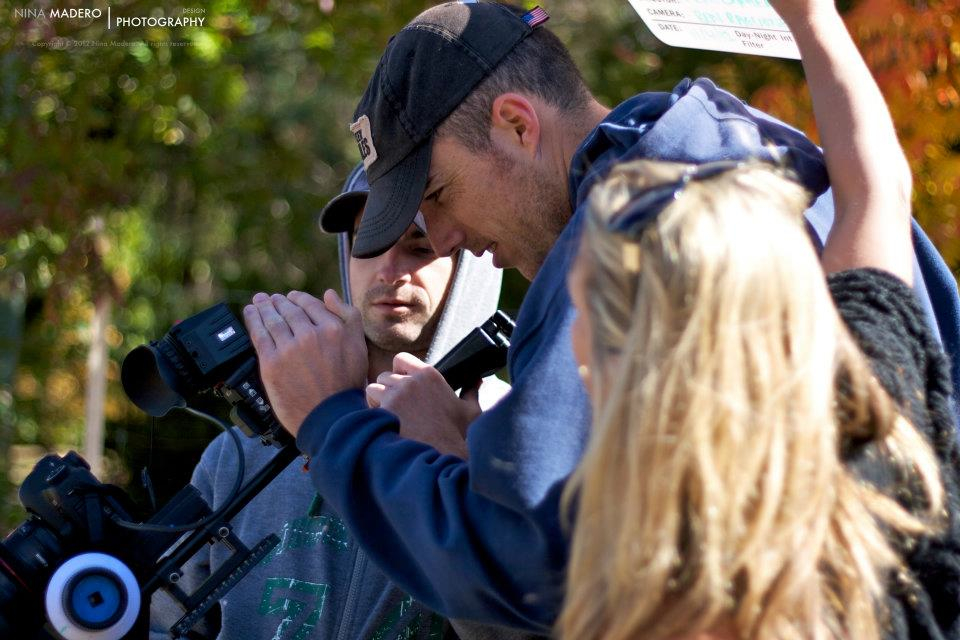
pixel 168 178
pixel 913 49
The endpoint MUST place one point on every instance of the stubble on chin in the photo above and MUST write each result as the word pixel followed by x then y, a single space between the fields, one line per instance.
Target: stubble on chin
pixel 396 335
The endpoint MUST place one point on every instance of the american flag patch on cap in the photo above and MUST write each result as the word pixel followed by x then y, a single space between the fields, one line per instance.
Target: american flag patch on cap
pixel 535 16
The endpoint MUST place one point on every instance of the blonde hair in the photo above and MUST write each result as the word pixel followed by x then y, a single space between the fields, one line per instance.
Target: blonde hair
pixel 713 495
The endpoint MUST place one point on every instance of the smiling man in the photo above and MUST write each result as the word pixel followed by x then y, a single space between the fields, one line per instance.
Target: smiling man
pixel 479 118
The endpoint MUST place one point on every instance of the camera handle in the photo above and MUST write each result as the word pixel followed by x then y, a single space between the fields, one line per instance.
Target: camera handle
pixel 481 353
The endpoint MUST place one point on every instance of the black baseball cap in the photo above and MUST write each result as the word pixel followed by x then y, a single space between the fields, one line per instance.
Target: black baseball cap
pixel 426 71
pixel 340 214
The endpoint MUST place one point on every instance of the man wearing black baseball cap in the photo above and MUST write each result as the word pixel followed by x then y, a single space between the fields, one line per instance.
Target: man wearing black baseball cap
pixel 395 123
pixel 478 117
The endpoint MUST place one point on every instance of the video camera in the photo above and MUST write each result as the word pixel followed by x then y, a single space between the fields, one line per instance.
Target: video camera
pixel 80 567
pixel 208 351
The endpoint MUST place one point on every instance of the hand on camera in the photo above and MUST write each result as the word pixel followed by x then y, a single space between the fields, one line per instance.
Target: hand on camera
pixel 308 350
pixel 428 408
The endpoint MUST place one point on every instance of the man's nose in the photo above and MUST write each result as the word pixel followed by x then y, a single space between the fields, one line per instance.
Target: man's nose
pixel 443 236
pixel 445 247
pixel 393 269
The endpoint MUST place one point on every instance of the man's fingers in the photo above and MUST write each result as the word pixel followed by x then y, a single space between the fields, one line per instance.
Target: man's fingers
pixel 312 306
pixel 375 395
pixel 407 363
pixel 276 326
pixel 259 335
pixel 388 378
pixel 295 317
pixel 472 391
pixel 344 311
pixel 470 395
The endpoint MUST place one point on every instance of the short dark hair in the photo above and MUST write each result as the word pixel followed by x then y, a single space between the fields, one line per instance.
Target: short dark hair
pixel 540 64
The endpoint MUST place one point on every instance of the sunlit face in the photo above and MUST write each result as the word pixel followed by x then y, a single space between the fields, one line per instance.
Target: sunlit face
pixel 581 333
pixel 491 202
pixel 400 293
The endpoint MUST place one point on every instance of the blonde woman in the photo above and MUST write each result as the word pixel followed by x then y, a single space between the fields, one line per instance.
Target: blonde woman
pixel 749 475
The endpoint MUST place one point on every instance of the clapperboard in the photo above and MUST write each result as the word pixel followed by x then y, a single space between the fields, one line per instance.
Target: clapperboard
pixel 737 26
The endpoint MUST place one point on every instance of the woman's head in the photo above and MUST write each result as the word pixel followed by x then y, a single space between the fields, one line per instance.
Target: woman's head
pixel 710 492
pixel 713 238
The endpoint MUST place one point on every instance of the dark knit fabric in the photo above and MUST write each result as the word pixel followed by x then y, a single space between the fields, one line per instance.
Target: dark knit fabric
pixel 881 312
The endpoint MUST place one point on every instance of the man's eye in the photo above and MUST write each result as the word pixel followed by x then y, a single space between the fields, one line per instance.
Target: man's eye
pixel 435 195
pixel 426 252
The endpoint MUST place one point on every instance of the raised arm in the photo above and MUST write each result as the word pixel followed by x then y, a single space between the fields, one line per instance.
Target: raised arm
pixel 868 171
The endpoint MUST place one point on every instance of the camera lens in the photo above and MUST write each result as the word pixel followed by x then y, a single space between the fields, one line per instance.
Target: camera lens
pixel 26 560
pixel 15 602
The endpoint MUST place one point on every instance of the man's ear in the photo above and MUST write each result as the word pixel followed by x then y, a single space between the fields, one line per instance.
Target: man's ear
pixel 515 124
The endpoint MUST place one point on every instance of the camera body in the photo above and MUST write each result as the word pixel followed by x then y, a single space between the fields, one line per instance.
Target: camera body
pixel 74 518
pixel 208 351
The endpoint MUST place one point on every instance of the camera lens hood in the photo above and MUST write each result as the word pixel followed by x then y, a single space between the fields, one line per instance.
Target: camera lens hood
pixel 150 381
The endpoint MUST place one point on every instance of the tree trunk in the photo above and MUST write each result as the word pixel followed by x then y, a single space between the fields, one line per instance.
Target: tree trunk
pixel 96 386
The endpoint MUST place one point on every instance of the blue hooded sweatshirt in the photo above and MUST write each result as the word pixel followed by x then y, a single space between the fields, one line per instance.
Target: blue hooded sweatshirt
pixel 483 539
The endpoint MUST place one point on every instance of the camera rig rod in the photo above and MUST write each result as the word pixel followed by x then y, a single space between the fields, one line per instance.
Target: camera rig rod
pixel 242 559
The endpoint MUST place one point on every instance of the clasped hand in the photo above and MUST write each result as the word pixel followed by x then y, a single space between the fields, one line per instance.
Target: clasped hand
pixel 308 350
pixel 428 408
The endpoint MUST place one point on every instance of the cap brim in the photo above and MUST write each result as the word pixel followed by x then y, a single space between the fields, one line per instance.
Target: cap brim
pixel 392 203
pixel 340 214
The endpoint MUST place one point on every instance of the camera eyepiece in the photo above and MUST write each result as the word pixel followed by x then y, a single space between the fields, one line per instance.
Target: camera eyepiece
pixel 150 381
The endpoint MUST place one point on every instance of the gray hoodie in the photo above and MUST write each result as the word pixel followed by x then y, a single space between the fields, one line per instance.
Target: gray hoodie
pixel 317 584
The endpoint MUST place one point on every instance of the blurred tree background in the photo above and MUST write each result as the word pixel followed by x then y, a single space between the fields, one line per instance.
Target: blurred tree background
pixel 142 182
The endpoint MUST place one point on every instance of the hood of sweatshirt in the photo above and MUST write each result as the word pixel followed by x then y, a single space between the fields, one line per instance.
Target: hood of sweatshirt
pixel 471 299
